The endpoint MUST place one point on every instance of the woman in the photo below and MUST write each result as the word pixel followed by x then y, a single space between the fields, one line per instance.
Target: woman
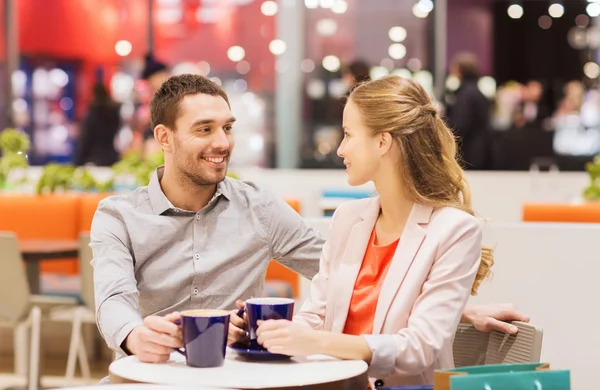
pixel 397 269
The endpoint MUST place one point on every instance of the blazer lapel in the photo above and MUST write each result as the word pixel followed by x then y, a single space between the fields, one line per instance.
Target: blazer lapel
pixel 351 262
pixel 410 241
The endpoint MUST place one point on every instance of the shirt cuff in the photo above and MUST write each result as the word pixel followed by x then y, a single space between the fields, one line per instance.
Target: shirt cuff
pixel 384 349
pixel 115 321
pixel 123 333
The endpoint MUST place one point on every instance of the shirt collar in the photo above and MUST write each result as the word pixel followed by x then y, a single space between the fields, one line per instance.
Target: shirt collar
pixel 159 201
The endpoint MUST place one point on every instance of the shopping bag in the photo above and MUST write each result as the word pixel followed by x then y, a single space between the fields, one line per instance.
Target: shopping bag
pixel 477 377
pixel 532 380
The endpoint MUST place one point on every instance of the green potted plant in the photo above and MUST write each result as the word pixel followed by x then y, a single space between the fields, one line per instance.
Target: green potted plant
pixel 592 192
pixel 14 145
pixel 55 177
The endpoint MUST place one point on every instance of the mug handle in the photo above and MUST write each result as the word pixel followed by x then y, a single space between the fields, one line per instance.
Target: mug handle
pixel 178 323
pixel 240 313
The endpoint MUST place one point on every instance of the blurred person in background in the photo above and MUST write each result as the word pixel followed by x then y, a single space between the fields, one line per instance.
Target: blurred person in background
pixel 532 109
pixel 355 73
pixel 469 115
pixel 155 73
pixel 98 130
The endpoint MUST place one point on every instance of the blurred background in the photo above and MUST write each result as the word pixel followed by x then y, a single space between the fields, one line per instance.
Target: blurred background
pixel 286 63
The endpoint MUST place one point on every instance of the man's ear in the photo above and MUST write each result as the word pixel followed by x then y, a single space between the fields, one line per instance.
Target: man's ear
pixel 163 135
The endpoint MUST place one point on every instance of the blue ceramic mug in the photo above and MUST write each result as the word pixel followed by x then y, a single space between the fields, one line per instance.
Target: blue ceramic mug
pixel 262 309
pixel 204 337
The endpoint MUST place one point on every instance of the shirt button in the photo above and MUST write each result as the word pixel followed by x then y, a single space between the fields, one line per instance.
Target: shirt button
pixel 197 256
pixel 195 291
pixel 197 217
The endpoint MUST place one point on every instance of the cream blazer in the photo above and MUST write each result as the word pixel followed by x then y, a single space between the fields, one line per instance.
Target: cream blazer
pixel 424 293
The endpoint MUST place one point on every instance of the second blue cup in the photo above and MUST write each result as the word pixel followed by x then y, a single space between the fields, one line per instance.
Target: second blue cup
pixel 262 309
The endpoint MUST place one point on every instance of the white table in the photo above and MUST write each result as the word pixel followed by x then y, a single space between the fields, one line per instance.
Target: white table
pixel 310 372
pixel 139 386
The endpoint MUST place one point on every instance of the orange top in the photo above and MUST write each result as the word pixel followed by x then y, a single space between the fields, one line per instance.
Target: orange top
pixel 368 284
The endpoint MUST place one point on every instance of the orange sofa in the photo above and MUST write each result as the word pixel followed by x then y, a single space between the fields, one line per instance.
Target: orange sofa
pixel 65 216
pixel 559 212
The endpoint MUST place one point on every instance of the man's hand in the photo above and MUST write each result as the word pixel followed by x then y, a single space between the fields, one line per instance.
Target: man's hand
pixel 487 318
pixel 237 326
pixel 154 341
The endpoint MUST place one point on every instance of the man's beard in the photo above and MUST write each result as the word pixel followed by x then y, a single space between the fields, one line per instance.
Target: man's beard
pixel 199 177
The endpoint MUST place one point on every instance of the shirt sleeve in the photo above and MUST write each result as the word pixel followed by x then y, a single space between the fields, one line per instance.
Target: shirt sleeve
pixel 116 294
pixel 292 242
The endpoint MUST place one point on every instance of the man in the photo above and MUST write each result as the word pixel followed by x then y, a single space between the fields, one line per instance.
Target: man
pixel 469 115
pixel 193 238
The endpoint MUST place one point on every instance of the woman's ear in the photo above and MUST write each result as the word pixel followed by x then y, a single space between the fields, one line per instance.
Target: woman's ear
pixel 385 142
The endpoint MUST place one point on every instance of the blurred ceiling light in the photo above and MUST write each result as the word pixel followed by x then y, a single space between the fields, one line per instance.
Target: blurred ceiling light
pixel 240 85
pixel 59 77
pixel 66 103
pixel 337 88
pixel 426 6
pixel 582 21
pixel 388 63
pixel 327 27
pixel 216 80
pixel 452 83
pixel 397 33
pixel 204 68
pixel 307 65
pixel 425 78
pixel 269 8
pixel 123 48
pixel 277 47
pixel 397 51
pixel 169 2
pixel 340 7
pixel 418 12
pixel 326 3
pixel 243 67
pixel 311 4
pixel 19 105
pixel 402 72
pixel 378 72
pixel 185 67
pixel 414 64
pixel 556 10
pixel 592 38
pixel 515 11
pixel 315 89
pixel 593 9
pixel 591 70
pixel 331 63
pixel 236 53
pixel 578 38
pixel 487 86
pixel 545 22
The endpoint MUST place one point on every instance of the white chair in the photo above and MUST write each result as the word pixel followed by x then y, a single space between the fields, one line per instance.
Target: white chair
pixel 474 348
pixel 21 310
pixel 83 314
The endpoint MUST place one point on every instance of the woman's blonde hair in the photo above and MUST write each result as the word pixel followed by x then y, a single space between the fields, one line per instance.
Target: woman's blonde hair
pixel 429 165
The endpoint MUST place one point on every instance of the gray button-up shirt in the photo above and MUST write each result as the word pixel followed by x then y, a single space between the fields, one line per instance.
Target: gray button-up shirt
pixel 151 258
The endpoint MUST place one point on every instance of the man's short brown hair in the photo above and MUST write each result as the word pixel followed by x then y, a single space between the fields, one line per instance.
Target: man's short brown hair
pixel 164 106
